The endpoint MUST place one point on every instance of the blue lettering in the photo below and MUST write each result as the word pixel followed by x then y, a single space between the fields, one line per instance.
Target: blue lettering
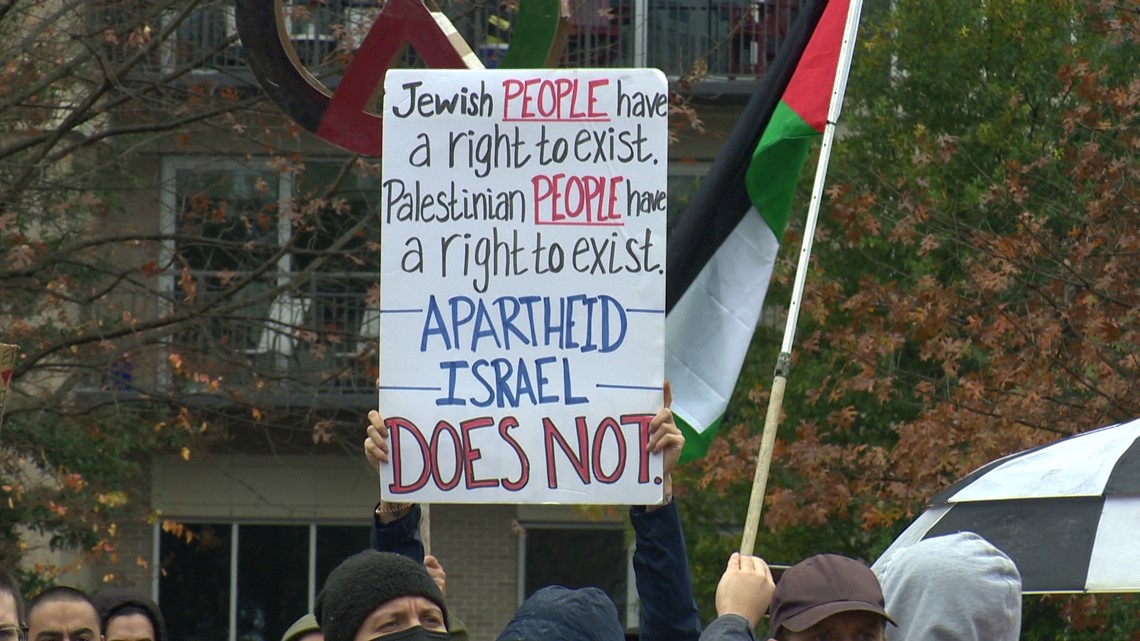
pixel 551 327
pixel 589 345
pixel 452 367
pixel 484 327
pixel 457 319
pixel 433 325
pixel 543 380
pixel 570 398
pixel 503 371
pixel 522 384
pixel 570 300
pixel 508 320
pixel 477 372
pixel 608 303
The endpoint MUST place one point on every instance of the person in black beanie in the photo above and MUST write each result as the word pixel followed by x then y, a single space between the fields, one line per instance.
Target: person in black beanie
pixel 128 615
pixel 380 594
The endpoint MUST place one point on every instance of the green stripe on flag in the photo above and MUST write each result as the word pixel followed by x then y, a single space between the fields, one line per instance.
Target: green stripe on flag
pixel 776 166
pixel 696 443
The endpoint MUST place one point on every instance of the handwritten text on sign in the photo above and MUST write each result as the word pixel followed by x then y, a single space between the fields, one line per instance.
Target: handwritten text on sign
pixel 522 284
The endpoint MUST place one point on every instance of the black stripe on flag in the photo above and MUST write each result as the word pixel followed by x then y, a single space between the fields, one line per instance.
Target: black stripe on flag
pixel 1050 540
pixel 721 199
pixel 1125 476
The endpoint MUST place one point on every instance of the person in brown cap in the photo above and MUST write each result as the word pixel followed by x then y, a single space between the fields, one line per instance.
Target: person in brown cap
pixel 826 596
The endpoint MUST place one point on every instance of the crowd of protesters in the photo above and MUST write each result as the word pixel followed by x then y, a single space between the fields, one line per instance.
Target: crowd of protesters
pixel 952 588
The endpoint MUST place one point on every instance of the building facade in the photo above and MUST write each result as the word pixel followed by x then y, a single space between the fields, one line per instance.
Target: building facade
pixel 245 532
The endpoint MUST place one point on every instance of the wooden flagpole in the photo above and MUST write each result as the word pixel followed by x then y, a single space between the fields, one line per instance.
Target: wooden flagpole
pixel 784 360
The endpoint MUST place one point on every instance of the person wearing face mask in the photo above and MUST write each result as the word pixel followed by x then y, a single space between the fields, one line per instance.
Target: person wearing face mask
pixel 664 581
pixel 380 595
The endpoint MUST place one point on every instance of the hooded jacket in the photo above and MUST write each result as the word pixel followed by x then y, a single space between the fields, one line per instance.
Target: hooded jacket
pixel 956 587
pixel 556 613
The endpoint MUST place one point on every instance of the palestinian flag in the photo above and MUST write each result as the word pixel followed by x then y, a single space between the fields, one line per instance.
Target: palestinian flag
pixel 722 248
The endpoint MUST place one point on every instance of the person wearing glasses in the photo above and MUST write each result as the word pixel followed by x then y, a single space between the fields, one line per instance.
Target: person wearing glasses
pixel 11 609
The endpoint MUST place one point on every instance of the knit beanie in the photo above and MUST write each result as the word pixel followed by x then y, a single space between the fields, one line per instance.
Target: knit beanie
pixel 364 582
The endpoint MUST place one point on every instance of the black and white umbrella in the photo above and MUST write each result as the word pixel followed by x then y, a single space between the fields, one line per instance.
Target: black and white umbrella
pixel 1067 513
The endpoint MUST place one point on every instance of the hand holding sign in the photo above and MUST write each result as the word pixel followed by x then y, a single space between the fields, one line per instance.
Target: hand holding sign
pixel 376 451
pixel 522 286
pixel 664 438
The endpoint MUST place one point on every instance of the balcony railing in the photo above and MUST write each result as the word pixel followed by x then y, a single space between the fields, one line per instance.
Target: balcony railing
pixel 283 340
pixel 735 39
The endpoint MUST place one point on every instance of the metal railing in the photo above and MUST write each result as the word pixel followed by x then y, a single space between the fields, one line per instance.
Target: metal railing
pixel 281 335
pixel 735 39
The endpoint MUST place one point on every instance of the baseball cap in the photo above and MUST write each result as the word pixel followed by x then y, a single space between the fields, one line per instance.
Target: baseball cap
pixel 821 586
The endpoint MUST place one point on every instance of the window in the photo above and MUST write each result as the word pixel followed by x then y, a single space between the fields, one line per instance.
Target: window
pixel 576 556
pixel 313 312
pixel 246 582
pixel 207 37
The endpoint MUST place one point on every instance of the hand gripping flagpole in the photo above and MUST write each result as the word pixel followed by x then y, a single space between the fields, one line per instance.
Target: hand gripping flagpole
pixel 784 360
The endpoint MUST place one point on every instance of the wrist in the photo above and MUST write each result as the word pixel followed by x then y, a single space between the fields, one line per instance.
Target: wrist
pixel 388 511
pixel 666 498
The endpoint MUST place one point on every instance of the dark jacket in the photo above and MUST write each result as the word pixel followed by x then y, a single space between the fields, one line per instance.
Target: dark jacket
pixel 661 572
pixel 660 564
pixel 730 627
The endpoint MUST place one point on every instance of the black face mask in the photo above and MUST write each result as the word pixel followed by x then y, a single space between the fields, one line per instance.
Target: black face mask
pixel 417 633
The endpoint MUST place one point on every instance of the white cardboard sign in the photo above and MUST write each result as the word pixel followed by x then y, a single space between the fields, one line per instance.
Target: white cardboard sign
pixel 522 284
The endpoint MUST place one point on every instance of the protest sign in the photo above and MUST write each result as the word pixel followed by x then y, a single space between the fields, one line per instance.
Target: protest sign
pixel 7 364
pixel 522 284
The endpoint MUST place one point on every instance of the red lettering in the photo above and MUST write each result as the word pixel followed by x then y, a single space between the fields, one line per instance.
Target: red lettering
pixel 552 99
pixel 524 463
pixel 642 422
pixel 592 99
pixel 610 214
pixel 608 424
pixel 511 89
pixel 549 190
pixel 580 462
pixel 576 199
pixel 395 424
pixel 527 98
pixel 440 428
pixel 549 108
pixel 472 454
pixel 574 187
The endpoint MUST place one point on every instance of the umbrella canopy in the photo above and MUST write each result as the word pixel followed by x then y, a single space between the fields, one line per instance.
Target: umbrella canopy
pixel 1067 513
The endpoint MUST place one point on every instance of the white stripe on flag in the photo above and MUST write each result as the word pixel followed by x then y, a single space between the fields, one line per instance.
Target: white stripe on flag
pixel 1077 466
pixel 708 331
pixel 1115 562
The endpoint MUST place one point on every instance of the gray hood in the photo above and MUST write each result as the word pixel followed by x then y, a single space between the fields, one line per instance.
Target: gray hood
pixel 956 587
